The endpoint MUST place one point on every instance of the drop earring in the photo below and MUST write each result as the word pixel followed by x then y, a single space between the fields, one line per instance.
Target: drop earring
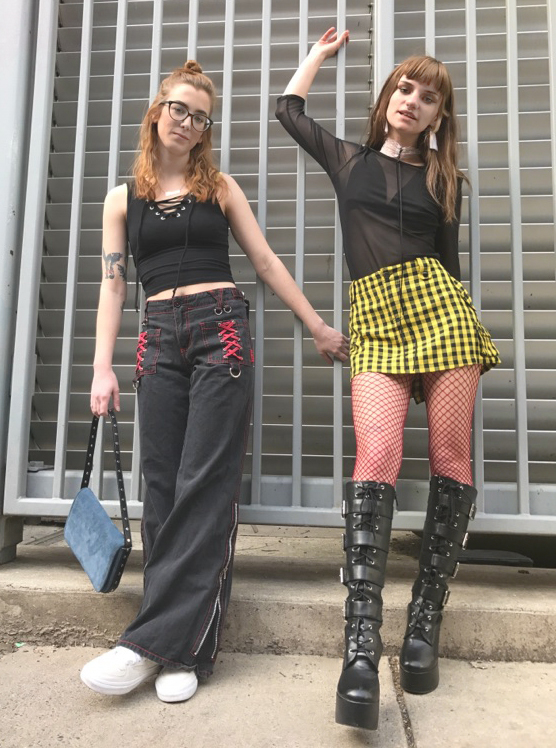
pixel 386 127
pixel 433 143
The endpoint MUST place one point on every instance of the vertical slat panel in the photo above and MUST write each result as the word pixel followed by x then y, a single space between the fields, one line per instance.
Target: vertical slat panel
pixel 73 250
pixel 256 473
pixel 19 36
pixel 383 42
pixel 522 447
pixel 154 83
pixel 112 181
pixel 338 416
pixel 551 10
pixel 24 359
pixel 192 29
pixel 474 227
pixel 156 48
pixel 430 28
pixel 227 81
pixel 297 423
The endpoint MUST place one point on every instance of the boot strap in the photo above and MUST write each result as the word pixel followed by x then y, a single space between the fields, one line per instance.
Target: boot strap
pixel 362 609
pixel 354 538
pixel 449 532
pixel 446 565
pixel 463 494
pixel 437 594
pixel 362 573
pixel 361 506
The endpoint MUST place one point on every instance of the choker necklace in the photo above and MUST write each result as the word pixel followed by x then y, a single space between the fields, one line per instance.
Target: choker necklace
pixel 173 192
pixel 392 148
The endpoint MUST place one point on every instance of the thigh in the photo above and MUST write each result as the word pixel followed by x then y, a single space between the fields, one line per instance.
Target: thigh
pixel 221 394
pixel 380 401
pixel 163 384
pixel 450 396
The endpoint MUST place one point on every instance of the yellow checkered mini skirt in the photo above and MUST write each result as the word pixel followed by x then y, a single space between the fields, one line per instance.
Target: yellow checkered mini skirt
pixel 415 318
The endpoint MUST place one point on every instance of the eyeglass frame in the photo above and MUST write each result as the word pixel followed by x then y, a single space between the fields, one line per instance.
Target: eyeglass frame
pixel 189 114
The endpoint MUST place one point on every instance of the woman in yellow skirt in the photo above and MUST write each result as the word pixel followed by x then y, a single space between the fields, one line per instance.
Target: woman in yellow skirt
pixel 414 332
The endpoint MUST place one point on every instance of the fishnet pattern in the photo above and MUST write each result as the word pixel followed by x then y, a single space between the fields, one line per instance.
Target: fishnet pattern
pixel 450 397
pixel 379 403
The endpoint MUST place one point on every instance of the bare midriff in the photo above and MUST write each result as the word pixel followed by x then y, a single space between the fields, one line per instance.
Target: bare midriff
pixel 188 290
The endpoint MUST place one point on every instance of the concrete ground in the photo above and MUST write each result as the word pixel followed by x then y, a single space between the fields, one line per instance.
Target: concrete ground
pixel 275 680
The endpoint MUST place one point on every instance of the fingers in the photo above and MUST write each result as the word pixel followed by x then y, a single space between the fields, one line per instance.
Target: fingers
pixel 327 36
pixel 99 405
pixel 331 36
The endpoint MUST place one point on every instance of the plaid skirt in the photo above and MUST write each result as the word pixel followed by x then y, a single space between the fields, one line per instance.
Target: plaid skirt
pixel 414 318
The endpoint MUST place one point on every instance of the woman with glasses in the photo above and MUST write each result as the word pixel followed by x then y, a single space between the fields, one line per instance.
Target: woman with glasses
pixel 413 333
pixel 194 381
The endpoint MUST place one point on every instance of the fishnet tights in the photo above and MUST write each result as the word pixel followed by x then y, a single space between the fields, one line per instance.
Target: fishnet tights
pixel 380 403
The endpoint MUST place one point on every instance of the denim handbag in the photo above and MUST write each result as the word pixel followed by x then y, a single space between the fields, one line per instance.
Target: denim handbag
pixel 101 549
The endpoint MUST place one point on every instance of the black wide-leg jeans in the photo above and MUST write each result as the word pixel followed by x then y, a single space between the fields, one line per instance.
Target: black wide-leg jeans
pixel 194 384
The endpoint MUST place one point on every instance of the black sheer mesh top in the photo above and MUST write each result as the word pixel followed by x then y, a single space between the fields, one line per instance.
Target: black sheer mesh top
pixel 387 214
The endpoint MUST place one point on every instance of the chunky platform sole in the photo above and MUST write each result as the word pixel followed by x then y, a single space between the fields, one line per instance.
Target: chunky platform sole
pixel 421 682
pixel 356 713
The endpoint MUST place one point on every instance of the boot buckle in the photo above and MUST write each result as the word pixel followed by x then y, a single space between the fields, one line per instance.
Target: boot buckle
pixel 454 575
pixel 342 575
pixel 344 508
pixel 472 511
pixel 464 543
pixel 445 598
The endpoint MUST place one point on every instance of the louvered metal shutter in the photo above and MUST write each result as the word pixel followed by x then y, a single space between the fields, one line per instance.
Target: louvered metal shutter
pixel 510 54
pixel 258 152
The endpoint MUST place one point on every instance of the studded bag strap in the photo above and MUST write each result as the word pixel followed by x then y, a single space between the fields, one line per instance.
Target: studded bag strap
pixel 119 474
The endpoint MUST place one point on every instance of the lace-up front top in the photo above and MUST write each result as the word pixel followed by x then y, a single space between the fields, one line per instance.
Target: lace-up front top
pixel 177 242
pixel 387 213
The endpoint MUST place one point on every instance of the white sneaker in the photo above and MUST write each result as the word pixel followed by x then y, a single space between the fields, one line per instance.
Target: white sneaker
pixel 118 671
pixel 176 685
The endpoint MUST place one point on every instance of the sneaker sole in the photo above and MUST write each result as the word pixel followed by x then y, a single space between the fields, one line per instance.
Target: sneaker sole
pixel 172 698
pixel 111 689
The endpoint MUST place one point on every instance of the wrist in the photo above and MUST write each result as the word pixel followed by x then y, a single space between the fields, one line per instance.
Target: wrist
pixel 316 325
pixel 101 368
pixel 316 55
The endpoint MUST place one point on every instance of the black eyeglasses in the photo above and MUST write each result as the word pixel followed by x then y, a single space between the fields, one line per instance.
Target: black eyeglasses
pixel 179 112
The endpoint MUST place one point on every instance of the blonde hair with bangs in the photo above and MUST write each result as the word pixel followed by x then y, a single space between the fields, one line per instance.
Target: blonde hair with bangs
pixel 202 177
pixel 441 166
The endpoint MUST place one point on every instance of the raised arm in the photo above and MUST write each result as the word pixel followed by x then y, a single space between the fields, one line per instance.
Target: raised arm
pixel 329 342
pixel 327 150
pixel 327 46
pixel 113 291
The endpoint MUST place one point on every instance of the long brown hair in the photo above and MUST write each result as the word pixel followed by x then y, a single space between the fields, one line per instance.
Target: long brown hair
pixel 441 165
pixel 203 178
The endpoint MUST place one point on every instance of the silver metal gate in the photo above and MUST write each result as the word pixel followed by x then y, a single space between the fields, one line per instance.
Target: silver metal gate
pixel 98 62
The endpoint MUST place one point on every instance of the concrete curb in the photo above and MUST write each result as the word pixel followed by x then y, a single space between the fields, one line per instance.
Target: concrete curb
pixel 286 599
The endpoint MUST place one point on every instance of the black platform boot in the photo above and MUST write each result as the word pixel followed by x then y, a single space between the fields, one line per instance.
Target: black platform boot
pixel 368 513
pixel 451 506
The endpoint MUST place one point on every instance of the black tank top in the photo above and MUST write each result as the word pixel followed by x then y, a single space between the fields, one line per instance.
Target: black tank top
pixel 177 242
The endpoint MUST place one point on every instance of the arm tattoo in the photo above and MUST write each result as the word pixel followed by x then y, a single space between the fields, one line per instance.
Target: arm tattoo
pixel 122 271
pixel 109 262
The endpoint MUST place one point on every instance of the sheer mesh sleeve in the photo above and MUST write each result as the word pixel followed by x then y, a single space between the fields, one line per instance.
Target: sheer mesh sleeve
pixel 446 241
pixel 330 152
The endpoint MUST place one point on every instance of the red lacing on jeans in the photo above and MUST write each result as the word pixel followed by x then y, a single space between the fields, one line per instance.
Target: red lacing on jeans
pixel 230 339
pixel 141 350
